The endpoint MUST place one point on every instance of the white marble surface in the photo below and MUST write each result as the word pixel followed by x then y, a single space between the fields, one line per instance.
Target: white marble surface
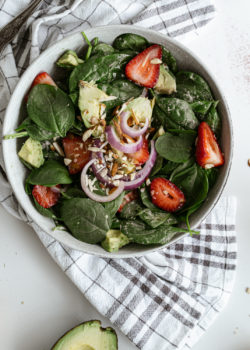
pixel 38 302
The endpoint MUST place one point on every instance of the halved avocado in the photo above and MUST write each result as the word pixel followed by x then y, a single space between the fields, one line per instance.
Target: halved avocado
pixel 88 336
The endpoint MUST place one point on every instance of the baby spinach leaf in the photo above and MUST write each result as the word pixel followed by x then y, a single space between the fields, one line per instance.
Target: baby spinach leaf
pixel 33 130
pixel 191 87
pixel 100 69
pixel 213 119
pixel 102 49
pixel 160 119
pixel 178 111
pixel 194 183
pixel 157 167
pixel 131 210
pixel 155 218
pixel 48 212
pixel 74 96
pixel 138 232
pixel 38 133
pixel 168 168
pixel 212 175
pixel 129 41
pixel 86 219
pixel 51 109
pixel 175 148
pixel 146 199
pixel 169 60
pixel 200 108
pixel 112 207
pixel 180 168
pixel 115 223
pixel 51 173
pixel 75 192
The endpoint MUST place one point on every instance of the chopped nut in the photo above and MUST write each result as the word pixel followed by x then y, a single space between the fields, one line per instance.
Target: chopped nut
pixel 112 190
pixel 148 182
pixel 103 122
pixel 59 149
pixel 114 169
pixel 87 134
pixel 118 128
pixel 67 161
pixel 132 176
pixel 96 149
pixel 116 183
pixel 156 61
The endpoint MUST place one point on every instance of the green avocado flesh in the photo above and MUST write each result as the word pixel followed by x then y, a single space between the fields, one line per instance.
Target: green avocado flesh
pixel 88 336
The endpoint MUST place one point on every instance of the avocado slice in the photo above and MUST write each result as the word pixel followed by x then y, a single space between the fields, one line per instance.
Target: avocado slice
pixel 166 83
pixel 69 60
pixel 88 336
pixel 114 240
pixel 32 152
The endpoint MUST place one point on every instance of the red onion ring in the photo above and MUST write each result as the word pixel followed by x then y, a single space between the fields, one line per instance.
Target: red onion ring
pixel 141 175
pixel 115 142
pixel 97 197
pixel 130 131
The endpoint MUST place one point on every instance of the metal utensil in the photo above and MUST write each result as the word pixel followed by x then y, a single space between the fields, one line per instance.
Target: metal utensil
pixel 8 32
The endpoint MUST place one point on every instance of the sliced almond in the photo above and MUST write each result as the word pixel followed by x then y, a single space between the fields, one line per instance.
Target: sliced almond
pixel 67 161
pixel 156 61
pixel 59 149
pixel 114 169
pixel 87 134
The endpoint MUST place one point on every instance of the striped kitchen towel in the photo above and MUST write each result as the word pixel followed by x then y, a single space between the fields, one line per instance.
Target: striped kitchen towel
pixel 167 299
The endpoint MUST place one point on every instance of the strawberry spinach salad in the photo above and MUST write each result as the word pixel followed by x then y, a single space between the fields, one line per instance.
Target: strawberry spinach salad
pixel 124 148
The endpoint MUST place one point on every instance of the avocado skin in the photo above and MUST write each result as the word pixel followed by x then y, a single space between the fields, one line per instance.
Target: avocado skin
pixel 113 344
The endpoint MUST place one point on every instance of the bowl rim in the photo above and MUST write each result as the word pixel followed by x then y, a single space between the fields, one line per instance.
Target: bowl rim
pixel 128 28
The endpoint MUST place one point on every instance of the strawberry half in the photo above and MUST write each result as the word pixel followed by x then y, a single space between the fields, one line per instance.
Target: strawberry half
pixel 140 157
pixel 45 196
pixel 141 70
pixel 43 78
pixel 129 197
pixel 77 151
pixel 166 195
pixel 208 153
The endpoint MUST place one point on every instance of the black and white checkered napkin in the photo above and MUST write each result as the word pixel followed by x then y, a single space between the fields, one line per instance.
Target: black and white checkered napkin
pixel 167 299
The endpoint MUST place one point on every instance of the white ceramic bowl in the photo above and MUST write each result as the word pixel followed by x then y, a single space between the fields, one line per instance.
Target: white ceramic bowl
pixel 17 173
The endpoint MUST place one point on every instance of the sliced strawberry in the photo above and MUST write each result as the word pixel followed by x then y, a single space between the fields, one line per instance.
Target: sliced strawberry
pixel 45 196
pixel 43 78
pixel 77 151
pixel 208 153
pixel 140 157
pixel 166 195
pixel 129 197
pixel 141 70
